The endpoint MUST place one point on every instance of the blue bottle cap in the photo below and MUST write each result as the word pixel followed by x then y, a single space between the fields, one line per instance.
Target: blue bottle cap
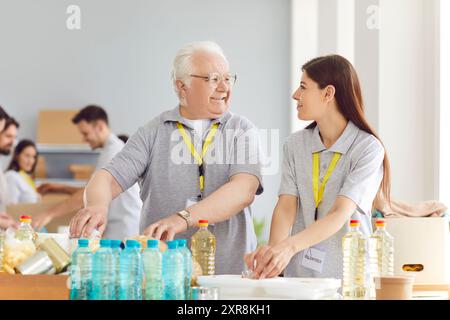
pixel 182 243
pixel 105 243
pixel 83 243
pixel 152 243
pixel 133 244
pixel 172 244
pixel 115 243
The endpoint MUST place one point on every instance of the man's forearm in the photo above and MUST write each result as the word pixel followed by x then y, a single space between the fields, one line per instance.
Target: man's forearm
pixel 100 190
pixel 224 203
pixel 73 204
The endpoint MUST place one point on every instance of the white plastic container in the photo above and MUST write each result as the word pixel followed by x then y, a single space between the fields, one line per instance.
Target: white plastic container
pixel 234 287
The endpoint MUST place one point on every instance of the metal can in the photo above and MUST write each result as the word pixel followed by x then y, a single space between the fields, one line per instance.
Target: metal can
pixel 60 258
pixel 39 263
pixel 205 293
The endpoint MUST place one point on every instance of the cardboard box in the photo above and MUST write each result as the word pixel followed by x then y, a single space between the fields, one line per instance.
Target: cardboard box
pixel 56 127
pixel 34 209
pixel 36 287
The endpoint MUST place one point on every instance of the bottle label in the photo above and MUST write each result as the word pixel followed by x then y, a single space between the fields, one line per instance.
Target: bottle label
pixel 313 259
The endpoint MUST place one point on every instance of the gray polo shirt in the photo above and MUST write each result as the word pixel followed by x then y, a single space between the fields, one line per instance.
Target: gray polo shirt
pixel 125 210
pixel 357 176
pixel 157 157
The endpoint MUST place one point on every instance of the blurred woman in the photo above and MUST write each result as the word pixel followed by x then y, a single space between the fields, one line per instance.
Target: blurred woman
pixel 20 174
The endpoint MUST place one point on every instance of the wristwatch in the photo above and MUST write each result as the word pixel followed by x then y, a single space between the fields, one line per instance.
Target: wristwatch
pixel 186 216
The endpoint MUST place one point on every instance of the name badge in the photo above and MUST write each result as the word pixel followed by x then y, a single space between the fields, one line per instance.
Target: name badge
pixel 313 259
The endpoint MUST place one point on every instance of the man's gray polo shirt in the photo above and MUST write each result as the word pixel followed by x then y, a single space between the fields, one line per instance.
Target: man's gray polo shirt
pixel 157 157
pixel 357 176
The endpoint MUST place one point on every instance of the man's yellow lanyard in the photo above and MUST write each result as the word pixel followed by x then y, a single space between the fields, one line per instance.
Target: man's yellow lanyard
pixel 318 192
pixel 197 157
pixel 28 179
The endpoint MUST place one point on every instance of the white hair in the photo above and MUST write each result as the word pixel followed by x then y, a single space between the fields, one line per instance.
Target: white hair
pixel 182 63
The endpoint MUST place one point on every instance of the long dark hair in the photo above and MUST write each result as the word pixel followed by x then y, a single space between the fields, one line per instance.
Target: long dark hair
pixel 14 165
pixel 337 71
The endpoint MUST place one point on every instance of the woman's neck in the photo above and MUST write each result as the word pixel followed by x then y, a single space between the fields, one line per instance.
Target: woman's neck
pixel 331 127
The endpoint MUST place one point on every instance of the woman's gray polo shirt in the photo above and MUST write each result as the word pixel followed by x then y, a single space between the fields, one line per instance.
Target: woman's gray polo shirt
pixel 157 157
pixel 357 176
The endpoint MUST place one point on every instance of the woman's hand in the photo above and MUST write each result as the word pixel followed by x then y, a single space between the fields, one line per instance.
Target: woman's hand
pixel 7 221
pixel 269 261
pixel 41 220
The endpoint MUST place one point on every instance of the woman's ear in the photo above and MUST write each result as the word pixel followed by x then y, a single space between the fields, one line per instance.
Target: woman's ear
pixel 330 91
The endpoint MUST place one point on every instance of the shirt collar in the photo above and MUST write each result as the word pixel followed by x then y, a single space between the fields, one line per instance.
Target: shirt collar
pixel 342 144
pixel 175 116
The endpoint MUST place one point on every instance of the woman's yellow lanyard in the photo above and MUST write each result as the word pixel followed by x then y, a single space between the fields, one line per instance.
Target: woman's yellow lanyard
pixel 318 192
pixel 28 179
pixel 197 157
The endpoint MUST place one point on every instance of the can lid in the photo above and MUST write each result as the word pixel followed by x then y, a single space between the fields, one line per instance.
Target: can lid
pixel 105 243
pixel 83 242
pixel 25 218
pixel 152 243
pixel 172 244
pixel 116 243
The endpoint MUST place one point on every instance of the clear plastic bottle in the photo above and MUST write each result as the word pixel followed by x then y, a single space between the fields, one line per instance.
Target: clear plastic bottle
pixel 103 272
pixel 2 249
pixel 173 273
pixel 381 254
pixel 152 259
pixel 187 264
pixel 81 272
pixel 131 275
pixel 116 251
pixel 25 230
pixel 203 247
pixel 354 246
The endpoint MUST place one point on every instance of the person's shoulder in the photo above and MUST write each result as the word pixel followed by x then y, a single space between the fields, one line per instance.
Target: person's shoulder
pixel 368 143
pixel 237 121
pixel 12 175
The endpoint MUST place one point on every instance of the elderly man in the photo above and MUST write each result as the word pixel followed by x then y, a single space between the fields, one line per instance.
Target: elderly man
pixel 177 193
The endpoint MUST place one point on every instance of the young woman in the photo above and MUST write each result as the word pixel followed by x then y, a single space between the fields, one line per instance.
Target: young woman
pixel 20 174
pixel 331 173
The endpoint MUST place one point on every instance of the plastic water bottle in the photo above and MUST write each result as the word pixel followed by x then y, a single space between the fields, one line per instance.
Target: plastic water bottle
pixel 153 263
pixel 116 251
pixel 173 273
pixel 103 272
pixel 81 272
pixel 354 246
pixel 187 264
pixel 25 231
pixel 203 247
pixel 381 254
pixel 131 275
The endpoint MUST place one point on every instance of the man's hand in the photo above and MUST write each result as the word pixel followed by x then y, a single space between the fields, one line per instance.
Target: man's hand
pixel 167 228
pixel 7 221
pixel 41 220
pixel 49 188
pixel 88 219
pixel 270 261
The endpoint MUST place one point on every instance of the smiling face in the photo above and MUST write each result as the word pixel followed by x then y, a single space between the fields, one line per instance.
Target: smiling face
pixel 7 138
pixel 27 159
pixel 91 132
pixel 202 99
pixel 311 100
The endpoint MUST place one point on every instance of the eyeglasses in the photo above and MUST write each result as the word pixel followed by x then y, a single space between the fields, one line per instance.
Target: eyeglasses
pixel 215 78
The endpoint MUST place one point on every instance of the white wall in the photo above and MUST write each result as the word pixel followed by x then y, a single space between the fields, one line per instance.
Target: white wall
pixel 121 59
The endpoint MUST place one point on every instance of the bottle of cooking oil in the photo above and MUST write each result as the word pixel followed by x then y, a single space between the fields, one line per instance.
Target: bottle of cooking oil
pixel 2 250
pixel 354 246
pixel 25 230
pixel 203 247
pixel 381 254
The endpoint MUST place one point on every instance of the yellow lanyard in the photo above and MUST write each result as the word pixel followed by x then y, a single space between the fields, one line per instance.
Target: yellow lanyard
pixel 318 192
pixel 28 179
pixel 188 142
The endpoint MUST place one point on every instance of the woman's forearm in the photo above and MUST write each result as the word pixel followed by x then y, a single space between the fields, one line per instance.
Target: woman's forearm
pixel 283 219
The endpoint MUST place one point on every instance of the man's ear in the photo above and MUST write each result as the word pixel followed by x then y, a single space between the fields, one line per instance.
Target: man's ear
pixel 330 92
pixel 181 88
